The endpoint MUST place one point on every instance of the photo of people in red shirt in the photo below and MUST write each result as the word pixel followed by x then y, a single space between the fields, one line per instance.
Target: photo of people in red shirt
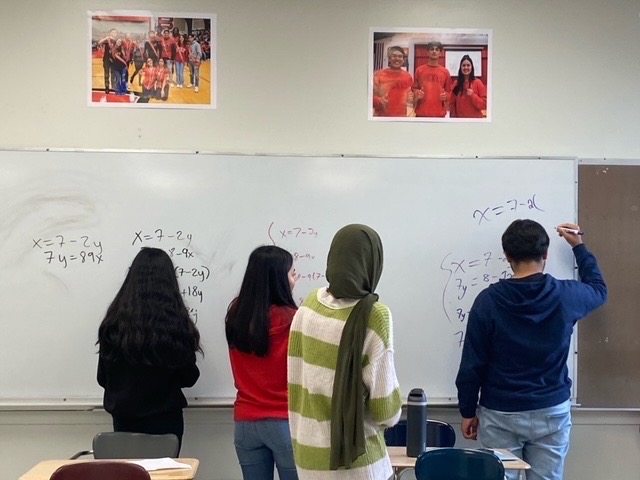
pixel 153 61
pixel 430 75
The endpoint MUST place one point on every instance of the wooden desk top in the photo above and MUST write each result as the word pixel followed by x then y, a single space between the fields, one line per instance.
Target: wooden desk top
pixel 399 459
pixel 44 470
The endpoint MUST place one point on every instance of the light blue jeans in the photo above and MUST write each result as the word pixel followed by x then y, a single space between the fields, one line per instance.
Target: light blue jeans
pixel 180 73
pixel 260 445
pixel 539 437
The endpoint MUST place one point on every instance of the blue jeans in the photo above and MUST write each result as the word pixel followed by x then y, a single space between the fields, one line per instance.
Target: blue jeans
pixel 120 84
pixel 539 437
pixel 180 73
pixel 260 445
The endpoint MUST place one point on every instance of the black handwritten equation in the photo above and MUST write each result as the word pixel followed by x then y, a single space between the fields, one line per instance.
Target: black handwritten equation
pixel 511 206
pixel 190 272
pixel 301 241
pixel 68 251
pixel 467 276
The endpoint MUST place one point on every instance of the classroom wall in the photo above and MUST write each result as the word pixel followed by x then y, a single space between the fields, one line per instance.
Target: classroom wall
pixel 293 80
pixel 602 446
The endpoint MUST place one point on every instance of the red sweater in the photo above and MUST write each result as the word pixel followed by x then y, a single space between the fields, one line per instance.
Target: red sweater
pixel 394 85
pixel 469 106
pixel 262 381
pixel 433 81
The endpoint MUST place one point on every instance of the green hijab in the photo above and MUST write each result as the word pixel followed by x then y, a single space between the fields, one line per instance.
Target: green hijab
pixel 354 266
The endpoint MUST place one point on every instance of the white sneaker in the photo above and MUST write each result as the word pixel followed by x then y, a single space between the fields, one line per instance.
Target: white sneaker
pixel 189 86
pixel 196 89
pixel 179 86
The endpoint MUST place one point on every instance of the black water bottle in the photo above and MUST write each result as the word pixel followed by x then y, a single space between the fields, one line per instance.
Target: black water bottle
pixel 416 422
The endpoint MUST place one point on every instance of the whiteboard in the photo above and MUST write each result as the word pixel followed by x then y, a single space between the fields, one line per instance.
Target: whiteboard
pixel 71 222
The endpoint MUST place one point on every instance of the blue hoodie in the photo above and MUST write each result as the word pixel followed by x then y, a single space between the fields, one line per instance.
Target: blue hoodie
pixel 518 338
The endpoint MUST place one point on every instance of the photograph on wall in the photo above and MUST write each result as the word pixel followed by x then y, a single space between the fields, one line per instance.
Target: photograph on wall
pixel 430 75
pixel 141 59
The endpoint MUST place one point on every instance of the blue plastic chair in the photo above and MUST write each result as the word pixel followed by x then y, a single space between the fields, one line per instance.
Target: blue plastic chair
pixel 439 434
pixel 458 464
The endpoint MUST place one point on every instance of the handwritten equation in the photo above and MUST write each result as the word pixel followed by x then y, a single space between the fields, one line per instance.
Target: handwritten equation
pixel 67 251
pixel 512 205
pixel 190 272
pixel 300 240
pixel 287 232
pixel 466 277
pixel 159 234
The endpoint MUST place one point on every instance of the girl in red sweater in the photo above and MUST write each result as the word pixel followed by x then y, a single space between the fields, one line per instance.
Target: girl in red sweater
pixel 257 327
pixel 469 95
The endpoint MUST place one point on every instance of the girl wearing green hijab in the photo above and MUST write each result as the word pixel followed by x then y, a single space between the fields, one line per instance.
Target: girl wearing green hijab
pixel 343 389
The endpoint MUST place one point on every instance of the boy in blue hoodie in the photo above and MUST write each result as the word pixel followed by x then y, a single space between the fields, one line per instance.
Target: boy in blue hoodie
pixel 516 347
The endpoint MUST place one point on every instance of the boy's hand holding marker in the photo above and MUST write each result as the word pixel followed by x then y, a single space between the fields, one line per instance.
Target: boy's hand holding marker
pixel 571 233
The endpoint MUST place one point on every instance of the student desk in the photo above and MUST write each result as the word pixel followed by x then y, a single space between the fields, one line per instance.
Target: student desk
pixel 400 461
pixel 44 470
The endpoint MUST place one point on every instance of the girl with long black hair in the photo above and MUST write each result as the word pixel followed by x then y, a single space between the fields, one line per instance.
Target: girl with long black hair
pixel 257 328
pixel 147 349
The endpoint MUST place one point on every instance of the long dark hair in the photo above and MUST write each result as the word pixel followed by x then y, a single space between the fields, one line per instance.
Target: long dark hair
pixel 148 323
pixel 472 76
pixel 265 283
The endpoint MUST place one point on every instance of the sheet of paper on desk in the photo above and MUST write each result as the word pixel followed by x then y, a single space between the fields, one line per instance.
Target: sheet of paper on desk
pixel 152 464
pixel 503 456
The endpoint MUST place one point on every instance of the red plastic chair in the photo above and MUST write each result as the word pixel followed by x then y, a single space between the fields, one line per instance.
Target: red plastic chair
pixel 100 470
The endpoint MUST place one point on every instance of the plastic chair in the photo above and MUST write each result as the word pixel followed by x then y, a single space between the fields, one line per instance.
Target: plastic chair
pixel 110 445
pixel 439 434
pixel 101 471
pixel 407 474
pixel 458 464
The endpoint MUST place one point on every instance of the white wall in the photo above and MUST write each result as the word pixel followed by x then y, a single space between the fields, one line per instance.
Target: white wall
pixel 293 79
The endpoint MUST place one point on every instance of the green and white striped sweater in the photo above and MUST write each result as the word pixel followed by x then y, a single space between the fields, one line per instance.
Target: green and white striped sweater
pixel 313 352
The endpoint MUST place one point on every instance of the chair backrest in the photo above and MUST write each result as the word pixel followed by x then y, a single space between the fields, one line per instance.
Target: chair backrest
pixel 406 474
pixel 439 434
pixel 101 471
pixel 134 445
pixel 458 464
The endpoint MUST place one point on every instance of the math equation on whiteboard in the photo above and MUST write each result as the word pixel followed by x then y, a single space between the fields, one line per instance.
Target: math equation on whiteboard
pixel 466 277
pixel 64 252
pixel 511 206
pixel 67 251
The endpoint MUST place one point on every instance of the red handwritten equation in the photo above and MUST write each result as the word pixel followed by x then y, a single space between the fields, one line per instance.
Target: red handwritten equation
pixel 301 241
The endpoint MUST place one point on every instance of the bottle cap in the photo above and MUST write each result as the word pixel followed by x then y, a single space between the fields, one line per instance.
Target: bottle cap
pixel 417 397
